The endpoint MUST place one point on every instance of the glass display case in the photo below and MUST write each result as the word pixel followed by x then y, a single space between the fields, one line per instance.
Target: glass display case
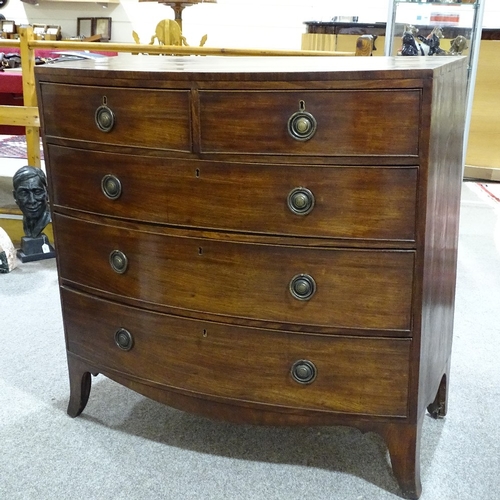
pixel 437 28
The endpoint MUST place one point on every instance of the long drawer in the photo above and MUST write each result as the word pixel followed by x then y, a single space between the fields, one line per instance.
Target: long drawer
pixel 344 122
pixel 363 289
pixel 334 202
pixel 135 117
pixel 355 375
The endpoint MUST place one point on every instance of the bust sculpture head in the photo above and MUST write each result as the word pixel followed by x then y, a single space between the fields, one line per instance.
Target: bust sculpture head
pixel 30 194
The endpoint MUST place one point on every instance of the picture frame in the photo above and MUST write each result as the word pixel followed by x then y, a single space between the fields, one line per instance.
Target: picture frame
pixel 102 26
pixel 91 26
pixel 85 26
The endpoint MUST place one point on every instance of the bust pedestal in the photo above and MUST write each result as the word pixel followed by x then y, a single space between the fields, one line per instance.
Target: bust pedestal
pixel 38 248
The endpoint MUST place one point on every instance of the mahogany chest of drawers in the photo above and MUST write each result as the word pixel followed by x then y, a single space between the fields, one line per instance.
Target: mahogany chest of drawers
pixel 263 240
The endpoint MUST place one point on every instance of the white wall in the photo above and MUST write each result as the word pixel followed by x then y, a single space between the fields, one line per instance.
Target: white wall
pixel 491 14
pixel 228 23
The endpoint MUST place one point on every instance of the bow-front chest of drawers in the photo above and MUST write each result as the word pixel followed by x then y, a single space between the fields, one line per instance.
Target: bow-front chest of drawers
pixel 263 240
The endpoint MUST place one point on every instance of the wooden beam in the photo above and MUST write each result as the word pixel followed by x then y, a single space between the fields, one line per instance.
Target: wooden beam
pixel 177 49
pixel 24 116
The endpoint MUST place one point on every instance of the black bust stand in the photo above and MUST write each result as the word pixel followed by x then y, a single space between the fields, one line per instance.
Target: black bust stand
pixel 38 248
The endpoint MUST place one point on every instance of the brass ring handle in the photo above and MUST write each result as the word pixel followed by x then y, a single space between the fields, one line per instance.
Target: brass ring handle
pixel 302 125
pixel 300 201
pixel 111 186
pixel 302 286
pixel 118 261
pixel 124 339
pixel 304 371
pixel 104 118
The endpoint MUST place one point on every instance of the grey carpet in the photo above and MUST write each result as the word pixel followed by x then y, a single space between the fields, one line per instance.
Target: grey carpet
pixel 125 446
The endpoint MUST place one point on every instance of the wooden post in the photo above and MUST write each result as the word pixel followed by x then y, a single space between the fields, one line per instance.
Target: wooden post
pixel 29 93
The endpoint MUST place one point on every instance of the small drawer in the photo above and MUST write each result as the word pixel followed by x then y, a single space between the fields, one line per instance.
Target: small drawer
pixel 359 289
pixel 377 203
pixel 330 123
pixel 118 116
pixel 326 373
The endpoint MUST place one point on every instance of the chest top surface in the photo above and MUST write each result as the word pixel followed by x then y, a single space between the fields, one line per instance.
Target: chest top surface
pixel 255 68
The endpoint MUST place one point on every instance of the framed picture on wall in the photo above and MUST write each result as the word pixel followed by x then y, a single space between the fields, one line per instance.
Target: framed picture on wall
pixel 103 27
pixel 92 26
pixel 84 27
